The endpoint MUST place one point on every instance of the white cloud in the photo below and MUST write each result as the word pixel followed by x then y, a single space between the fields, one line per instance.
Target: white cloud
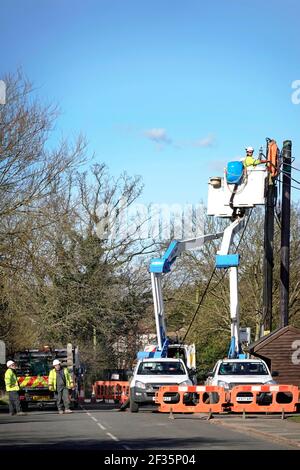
pixel 207 141
pixel 158 135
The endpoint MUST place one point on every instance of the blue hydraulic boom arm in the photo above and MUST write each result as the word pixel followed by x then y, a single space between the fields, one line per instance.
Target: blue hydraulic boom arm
pixel 158 267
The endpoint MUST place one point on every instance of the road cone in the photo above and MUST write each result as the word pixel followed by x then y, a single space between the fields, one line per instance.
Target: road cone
pixel 171 416
pixel 210 415
pixel 93 398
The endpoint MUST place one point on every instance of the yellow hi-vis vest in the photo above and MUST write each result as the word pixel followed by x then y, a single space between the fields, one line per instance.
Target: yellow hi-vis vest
pixel 11 381
pixel 249 161
pixel 52 379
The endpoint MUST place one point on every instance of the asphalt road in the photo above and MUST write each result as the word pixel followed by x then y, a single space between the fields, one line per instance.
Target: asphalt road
pixel 101 428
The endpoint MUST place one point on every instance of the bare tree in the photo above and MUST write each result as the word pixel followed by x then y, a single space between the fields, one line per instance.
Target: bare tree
pixel 30 169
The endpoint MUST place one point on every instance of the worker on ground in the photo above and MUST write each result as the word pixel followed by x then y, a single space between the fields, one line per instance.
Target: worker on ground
pixel 12 387
pixel 60 382
pixel 249 160
pixel 125 404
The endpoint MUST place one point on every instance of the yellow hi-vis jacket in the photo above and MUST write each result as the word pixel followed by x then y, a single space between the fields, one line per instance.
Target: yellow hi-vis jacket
pixel 11 381
pixel 52 379
pixel 251 161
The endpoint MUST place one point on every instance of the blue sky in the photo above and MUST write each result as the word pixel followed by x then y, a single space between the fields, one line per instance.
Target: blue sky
pixel 166 89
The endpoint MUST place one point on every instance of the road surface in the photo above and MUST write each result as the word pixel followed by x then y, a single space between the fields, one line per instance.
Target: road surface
pixel 102 428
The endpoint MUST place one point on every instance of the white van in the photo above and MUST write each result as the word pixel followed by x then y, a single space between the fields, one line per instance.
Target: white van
pixel 150 374
pixel 229 373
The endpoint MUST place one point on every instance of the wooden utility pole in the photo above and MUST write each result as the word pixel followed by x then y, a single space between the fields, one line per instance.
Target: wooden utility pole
pixel 285 232
pixel 268 246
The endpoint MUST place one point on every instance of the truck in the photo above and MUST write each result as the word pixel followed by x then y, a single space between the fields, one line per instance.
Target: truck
pixel 152 373
pixel 33 367
pixel 230 196
pixel 229 373
pixel 143 385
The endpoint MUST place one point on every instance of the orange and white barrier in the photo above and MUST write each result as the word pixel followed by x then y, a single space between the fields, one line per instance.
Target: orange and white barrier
pixel 264 398
pixel 111 390
pixel 191 399
pixel 241 399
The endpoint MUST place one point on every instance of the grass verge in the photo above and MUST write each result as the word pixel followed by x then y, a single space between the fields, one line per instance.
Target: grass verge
pixel 296 419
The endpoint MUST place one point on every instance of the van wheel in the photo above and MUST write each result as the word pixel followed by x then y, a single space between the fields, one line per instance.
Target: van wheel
pixel 134 407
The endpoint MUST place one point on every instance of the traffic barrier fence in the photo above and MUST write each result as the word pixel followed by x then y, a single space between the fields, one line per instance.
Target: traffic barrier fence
pixel 264 398
pixel 191 399
pixel 111 390
pixel 241 399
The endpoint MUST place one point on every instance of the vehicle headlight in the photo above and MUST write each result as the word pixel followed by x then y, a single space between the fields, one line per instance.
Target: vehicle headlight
pixel 139 384
pixel 270 382
pixel 186 382
pixel 223 384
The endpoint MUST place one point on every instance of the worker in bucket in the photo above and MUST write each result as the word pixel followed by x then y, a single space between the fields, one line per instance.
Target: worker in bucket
pixel 60 382
pixel 249 160
pixel 12 387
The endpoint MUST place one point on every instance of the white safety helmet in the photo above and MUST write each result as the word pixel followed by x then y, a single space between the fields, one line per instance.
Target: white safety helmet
pixel 9 363
pixel 249 149
pixel 56 362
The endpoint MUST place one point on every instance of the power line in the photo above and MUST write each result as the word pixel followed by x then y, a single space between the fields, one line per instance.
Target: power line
pixel 293 167
pixel 199 304
pixel 295 187
pixel 292 179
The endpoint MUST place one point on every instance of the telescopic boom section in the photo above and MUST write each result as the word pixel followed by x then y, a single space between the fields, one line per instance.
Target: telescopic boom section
pixel 159 310
pixel 225 260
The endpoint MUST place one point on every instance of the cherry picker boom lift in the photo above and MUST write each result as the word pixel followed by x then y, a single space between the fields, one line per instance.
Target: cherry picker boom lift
pixel 230 196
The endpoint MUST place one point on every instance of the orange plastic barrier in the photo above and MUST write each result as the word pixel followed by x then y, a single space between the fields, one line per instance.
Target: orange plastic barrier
pixel 111 390
pixel 264 398
pixel 191 399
